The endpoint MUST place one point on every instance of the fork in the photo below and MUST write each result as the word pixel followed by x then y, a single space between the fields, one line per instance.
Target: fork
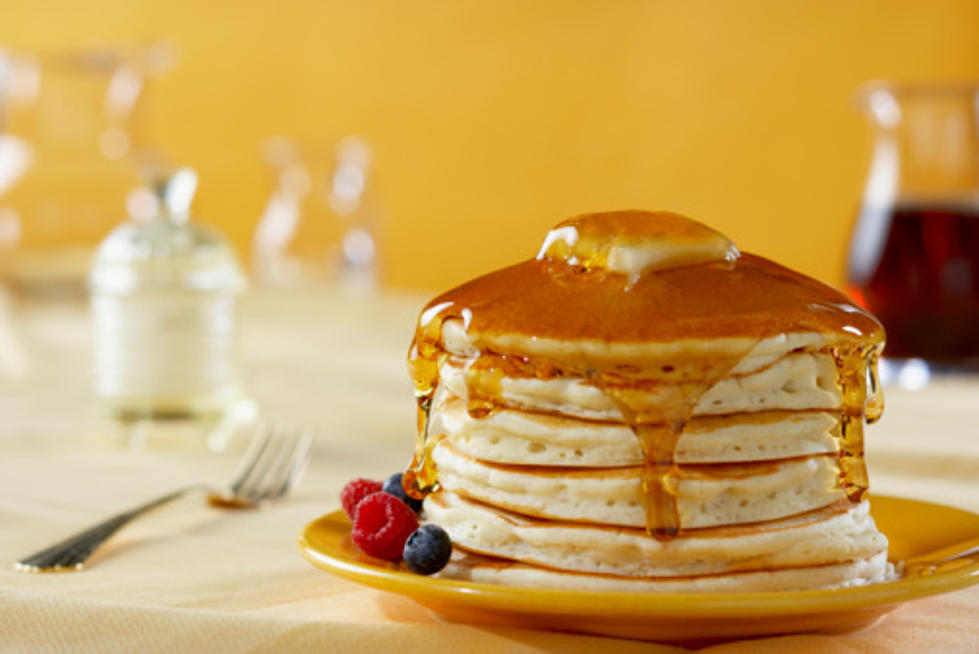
pixel 272 464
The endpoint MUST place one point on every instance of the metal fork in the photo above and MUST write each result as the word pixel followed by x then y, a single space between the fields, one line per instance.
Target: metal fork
pixel 272 464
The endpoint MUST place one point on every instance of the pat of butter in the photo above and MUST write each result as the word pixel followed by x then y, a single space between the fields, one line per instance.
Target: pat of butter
pixel 632 243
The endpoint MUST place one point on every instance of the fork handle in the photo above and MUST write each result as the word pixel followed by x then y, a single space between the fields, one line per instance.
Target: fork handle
pixel 71 553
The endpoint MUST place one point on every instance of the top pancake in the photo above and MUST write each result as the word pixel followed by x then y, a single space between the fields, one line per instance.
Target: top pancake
pixel 639 294
pixel 750 298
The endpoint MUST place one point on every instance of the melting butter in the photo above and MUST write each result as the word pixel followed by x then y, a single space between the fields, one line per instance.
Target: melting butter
pixel 632 243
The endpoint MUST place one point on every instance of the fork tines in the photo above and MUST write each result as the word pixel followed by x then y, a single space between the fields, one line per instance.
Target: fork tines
pixel 275 461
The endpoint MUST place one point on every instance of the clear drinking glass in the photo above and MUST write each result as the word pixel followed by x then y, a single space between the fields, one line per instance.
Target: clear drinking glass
pixel 914 251
pixel 71 146
pixel 321 220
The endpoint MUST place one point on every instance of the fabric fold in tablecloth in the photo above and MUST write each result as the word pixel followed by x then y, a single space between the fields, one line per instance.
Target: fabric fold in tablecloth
pixel 39 622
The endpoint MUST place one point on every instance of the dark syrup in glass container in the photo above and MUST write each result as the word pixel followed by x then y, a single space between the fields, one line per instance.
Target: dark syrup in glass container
pixel 924 287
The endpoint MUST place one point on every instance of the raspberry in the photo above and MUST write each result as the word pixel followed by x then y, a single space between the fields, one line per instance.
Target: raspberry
pixel 354 492
pixel 382 525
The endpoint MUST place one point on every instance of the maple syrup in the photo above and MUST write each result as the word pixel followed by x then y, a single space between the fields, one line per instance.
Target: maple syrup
pixel 707 291
pixel 924 286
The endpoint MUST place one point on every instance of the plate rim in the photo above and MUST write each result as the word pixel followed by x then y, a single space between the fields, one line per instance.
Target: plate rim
pixel 630 603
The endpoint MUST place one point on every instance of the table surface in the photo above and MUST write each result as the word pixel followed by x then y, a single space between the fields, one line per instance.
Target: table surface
pixel 205 579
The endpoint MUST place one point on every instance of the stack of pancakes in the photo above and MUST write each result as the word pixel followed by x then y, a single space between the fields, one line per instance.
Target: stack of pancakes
pixel 642 407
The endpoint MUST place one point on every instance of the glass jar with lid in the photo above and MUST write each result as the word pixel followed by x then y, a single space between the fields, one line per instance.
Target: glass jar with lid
pixel 164 291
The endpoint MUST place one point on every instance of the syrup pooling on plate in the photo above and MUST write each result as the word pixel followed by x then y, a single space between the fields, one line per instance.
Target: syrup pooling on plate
pixel 627 301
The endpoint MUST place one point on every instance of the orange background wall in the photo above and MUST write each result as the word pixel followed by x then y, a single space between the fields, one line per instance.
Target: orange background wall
pixel 492 120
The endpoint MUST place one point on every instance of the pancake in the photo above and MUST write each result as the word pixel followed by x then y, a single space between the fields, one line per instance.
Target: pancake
pixel 531 428
pixel 858 572
pixel 521 437
pixel 793 380
pixel 841 532
pixel 706 496
pixel 644 407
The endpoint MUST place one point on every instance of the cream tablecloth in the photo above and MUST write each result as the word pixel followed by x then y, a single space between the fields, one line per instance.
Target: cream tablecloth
pixel 194 578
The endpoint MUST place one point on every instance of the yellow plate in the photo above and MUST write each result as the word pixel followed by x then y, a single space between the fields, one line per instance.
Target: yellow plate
pixel 939 545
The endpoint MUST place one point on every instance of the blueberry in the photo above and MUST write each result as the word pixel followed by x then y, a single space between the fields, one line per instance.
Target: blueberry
pixel 393 486
pixel 427 550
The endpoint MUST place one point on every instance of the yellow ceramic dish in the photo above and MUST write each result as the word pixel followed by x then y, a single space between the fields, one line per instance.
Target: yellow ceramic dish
pixel 939 546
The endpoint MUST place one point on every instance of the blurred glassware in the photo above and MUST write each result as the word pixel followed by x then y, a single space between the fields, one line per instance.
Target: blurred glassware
pixel 914 251
pixel 70 139
pixel 164 293
pixel 320 222
pixel 15 362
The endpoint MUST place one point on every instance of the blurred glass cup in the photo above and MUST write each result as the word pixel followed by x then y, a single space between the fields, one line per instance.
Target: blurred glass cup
pixel 320 222
pixel 914 251
pixel 70 142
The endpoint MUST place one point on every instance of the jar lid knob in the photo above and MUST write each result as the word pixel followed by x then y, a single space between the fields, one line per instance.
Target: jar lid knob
pixel 176 193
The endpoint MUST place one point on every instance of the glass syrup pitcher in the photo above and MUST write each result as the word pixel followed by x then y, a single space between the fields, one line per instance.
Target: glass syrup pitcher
pixel 914 251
